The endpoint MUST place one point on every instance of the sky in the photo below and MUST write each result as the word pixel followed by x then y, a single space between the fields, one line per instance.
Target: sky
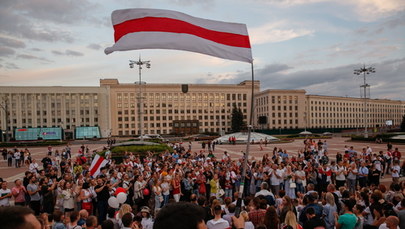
pixel 296 44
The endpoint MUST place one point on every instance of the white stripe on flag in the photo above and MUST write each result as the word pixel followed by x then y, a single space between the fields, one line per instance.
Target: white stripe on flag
pixel 97 163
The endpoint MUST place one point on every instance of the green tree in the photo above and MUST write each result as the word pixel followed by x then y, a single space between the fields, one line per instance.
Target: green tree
pixel 237 119
pixel 403 123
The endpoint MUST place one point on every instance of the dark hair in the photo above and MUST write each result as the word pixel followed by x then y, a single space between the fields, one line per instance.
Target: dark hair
pixel 14 217
pixel 181 215
pixel 57 216
pixel 86 185
pixel 91 221
pixel 110 212
pixel 127 219
pixel 74 216
pixel 310 211
pixel 231 208
pixel 107 224
pixel 201 200
pixel 271 220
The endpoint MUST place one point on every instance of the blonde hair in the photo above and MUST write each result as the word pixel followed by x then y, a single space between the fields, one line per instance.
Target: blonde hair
pixel 330 199
pixel 125 208
pixel 245 215
pixel 291 219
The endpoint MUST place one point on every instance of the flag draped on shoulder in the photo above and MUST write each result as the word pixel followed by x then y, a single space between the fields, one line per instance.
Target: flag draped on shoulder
pixel 97 163
pixel 166 29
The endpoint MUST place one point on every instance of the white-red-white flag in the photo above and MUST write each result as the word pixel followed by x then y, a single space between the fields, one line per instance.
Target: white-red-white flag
pixel 97 163
pixel 166 29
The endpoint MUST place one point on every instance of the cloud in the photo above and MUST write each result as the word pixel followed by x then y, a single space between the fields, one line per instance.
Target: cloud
pixel 73 53
pixel 31 57
pixel 5 51
pixel 387 82
pixel 11 66
pixel 276 32
pixel 94 46
pixel 67 52
pixel 10 42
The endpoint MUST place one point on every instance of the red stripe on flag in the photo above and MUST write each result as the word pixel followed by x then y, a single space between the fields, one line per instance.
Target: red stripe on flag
pixel 157 24
pixel 97 165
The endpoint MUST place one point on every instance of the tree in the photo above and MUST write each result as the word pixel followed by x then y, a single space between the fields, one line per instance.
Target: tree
pixel 403 123
pixel 237 119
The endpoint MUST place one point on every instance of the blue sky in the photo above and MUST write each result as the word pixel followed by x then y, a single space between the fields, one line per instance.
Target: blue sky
pixel 297 44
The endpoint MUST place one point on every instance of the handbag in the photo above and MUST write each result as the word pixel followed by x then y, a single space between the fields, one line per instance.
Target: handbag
pixel 221 192
pixel 293 185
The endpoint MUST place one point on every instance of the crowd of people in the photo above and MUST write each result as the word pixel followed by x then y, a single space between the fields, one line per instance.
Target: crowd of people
pixel 307 189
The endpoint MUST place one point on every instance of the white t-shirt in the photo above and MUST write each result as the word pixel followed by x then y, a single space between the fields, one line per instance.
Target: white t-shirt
pixel 5 201
pixel 217 224
pixel 300 173
pixel 397 169
pixel 274 180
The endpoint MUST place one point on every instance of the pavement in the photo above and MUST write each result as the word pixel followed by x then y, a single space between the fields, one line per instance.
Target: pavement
pixel 335 144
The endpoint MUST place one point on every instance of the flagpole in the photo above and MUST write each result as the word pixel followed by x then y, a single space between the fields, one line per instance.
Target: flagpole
pixel 250 126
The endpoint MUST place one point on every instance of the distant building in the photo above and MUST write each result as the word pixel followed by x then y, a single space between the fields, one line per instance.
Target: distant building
pixel 114 108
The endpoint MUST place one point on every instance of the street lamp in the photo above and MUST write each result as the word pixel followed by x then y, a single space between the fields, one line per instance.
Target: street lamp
pixel 365 71
pixel 6 112
pixel 140 63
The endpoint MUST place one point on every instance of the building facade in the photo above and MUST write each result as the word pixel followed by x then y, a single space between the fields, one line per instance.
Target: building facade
pixel 120 109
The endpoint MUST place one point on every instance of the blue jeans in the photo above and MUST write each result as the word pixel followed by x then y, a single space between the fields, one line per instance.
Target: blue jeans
pixel 228 192
pixel 300 188
pixel 165 199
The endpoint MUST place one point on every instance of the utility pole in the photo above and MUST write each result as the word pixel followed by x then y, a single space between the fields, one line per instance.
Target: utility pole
pixel 140 63
pixel 6 114
pixel 365 71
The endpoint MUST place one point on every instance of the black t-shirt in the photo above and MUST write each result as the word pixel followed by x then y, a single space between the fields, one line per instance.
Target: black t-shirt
pixel 314 222
pixel 103 195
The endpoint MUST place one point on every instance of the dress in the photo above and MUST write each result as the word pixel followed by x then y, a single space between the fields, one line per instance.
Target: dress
pixel 289 191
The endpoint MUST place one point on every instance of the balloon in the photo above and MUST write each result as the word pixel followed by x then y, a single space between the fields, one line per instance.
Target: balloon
pixel 146 192
pixel 122 197
pixel 118 190
pixel 113 202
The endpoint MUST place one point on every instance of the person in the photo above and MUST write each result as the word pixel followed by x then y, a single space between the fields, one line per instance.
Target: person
pixel 291 220
pixel 391 222
pixel 33 190
pixel 5 195
pixel 248 224
pixel 328 211
pixel 86 197
pixel 18 217
pixel 256 214
pixel 401 214
pixel 348 220
pixel 128 222
pixel 84 215
pixel 102 190
pixel 91 222
pixel 58 217
pixel 217 222
pixel 351 177
pixel 74 218
pixel 363 175
pixel 313 221
pixel 358 210
pixel 271 219
pixel 107 224
pixel 395 171
pixel 147 222
pixel 184 215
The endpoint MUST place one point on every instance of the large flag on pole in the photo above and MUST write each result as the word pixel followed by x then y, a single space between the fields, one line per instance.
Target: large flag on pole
pixel 97 163
pixel 166 29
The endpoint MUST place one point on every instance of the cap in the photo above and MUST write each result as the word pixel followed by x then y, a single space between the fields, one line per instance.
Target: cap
pixel 145 209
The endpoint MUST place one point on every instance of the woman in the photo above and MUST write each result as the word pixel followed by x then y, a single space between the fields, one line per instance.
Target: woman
pixel 125 208
pixel 328 211
pixel 47 195
pixel 157 191
pixel 289 183
pixel 214 184
pixel 78 190
pixel 138 190
pixel 271 220
pixel 248 223
pixel 379 217
pixel 68 196
pixel 86 197
pixel 286 206
pixel 351 178
pixel 291 220
pixel 165 185
pixel 176 187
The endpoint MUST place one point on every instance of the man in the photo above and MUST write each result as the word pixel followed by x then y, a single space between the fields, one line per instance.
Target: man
pixel 17 217
pixel 231 212
pixel 128 222
pixel 348 220
pixel 217 222
pixel 84 214
pixel 275 176
pixel 19 192
pixel 184 215
pixel 257 214
pixel 91 222
pixel 102 189
pixel 5 195
pixel 391 222
pixel 313 221
pixel 33 168
pixel 266 193
pixel 33 190
pixel 311 200
pixel 17 159
pixel 363 174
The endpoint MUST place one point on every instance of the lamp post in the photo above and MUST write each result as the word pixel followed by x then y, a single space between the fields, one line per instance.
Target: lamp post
pixel 5 108
pixel 140 63
pixel 365 71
